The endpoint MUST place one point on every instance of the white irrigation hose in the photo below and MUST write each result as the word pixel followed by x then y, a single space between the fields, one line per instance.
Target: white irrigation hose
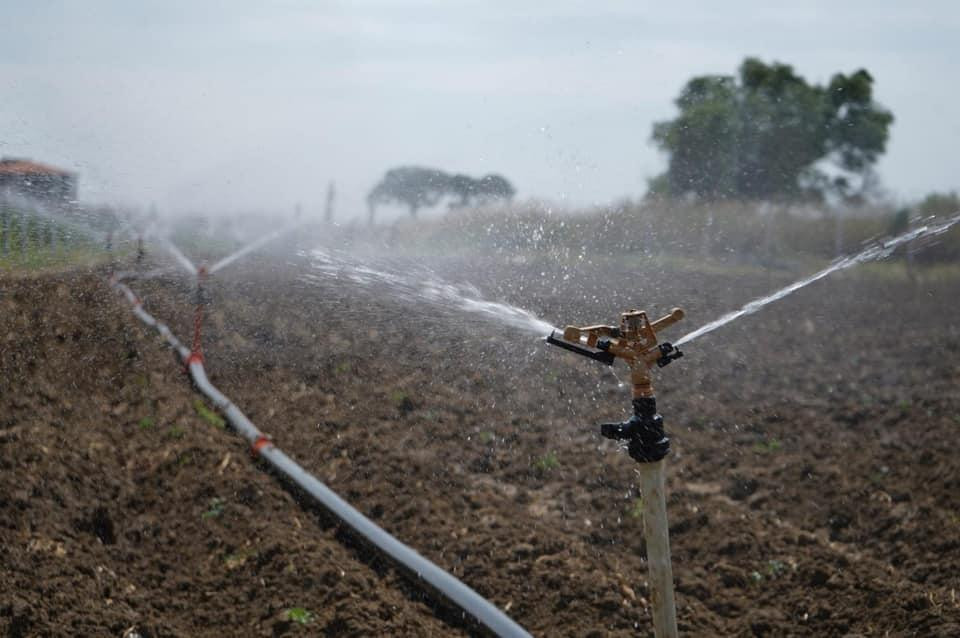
pixel 485 613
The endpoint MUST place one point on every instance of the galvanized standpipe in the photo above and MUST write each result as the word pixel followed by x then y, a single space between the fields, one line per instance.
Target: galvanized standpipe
pixel 648 445
pixel 649 449
pixel 656 532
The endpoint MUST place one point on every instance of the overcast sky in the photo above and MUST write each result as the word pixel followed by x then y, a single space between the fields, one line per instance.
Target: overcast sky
pixel 250 105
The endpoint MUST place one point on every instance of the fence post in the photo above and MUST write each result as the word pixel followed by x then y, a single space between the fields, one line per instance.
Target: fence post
pixel 22 227
pixel 331 196
pixel 838 238
pixel 5 230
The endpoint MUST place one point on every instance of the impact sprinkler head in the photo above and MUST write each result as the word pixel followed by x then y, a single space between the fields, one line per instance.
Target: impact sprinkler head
pixel 634 342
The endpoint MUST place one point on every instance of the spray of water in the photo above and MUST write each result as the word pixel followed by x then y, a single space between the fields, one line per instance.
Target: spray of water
pixel 877 251
pixel 179 256
pixel 423 285
pixel 37 208
pixel 252 246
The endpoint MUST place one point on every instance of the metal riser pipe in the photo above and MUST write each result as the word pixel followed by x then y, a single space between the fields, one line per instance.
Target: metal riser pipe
pixel 423 572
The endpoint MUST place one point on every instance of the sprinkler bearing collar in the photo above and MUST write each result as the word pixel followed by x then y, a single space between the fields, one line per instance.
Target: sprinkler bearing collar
pixel 646 440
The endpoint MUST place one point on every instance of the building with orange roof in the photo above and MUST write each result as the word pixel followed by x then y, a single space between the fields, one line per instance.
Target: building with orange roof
pixel 40 181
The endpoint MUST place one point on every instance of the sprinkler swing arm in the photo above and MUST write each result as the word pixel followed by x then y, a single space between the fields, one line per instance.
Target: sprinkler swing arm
pixel 635 340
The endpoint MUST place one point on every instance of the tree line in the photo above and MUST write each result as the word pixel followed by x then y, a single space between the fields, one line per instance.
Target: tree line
pixel 765 133
pixel 417 187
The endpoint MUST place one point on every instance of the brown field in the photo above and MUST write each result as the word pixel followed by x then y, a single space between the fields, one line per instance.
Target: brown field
pixel 813 487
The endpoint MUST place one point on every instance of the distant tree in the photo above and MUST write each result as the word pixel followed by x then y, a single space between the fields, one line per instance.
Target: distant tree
pixel 494 187
pixel 485 190
pixel 463 188
pixel 768 134
pixel 939 204
pixel 411 186
pixel 417 187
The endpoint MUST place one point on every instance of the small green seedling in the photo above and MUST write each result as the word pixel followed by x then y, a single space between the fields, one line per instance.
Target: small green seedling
pixel 402 400
pixel 547 462
pixel 237 560
pixel 299 615
pixel 208 415
pixel 216 508
pixel 175 432
pixel 342 368
pixel 775 568
pixel 767 447
pixel 487 437
pixel 635 509
pixel 145 423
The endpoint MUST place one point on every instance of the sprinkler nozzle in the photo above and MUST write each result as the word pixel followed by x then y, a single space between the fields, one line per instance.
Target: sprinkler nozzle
pixel 668 353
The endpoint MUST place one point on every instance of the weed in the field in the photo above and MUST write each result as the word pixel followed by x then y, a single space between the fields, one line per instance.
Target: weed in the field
pixel 767 447
pixel 402 400
pixel 239 559
pixel 877 477
pixel 216 508
pixel 773 569
pixel 487 437
pixel 546 463
pixel 635 509
pixel 175 432
pixel 342 368
pixel 145 423
pixel 299 615
pixel 208 415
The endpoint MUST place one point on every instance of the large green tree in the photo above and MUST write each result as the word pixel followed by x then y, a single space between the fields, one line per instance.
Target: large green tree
pixel 768 134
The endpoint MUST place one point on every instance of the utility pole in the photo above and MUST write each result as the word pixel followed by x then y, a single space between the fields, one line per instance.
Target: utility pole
pixel 331 197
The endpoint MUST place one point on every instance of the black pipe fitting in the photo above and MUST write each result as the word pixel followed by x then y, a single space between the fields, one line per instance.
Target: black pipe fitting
pixel 668 353
pixel 647 441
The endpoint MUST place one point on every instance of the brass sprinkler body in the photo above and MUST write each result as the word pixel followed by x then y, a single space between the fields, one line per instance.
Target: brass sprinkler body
pixel 635 342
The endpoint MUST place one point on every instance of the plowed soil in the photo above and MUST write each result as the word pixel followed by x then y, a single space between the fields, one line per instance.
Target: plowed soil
pixel 813 486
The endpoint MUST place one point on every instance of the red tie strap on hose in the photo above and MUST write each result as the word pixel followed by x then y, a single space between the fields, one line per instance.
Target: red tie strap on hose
pixel 261 442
